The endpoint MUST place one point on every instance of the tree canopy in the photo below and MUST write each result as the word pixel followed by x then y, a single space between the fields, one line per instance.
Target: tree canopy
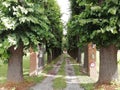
pixel 52 11
pixel 29 21
pixel 98 21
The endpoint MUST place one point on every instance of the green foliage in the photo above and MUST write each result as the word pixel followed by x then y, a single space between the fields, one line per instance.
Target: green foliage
pixel 59 83
pixel 88 86
pixel 22 21
pixel 3 71
pixel 64 43
pixel 26 64
pixel 31 22
pixel 72 37
pixel 35 79
pixel 98 22
pixel 52 12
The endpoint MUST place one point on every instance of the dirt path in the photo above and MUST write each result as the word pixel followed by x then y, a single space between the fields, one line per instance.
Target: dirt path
pixel 47 83
pixel 71 79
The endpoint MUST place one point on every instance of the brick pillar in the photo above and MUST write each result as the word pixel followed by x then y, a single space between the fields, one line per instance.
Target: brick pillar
pixel 33 63
pixel 92 60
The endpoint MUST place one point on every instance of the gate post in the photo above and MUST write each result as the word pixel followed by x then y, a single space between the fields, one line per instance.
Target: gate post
pixel 92 60
pixel 33 63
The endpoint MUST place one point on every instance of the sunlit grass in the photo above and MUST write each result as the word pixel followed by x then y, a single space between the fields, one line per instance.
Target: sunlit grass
pixel 3 73
pixel 49 66
pixel 41 77
pixel 26 65
pixel 34 79
pixel 77 67
pixel 85 81
pixel 26 68
pixel 59 83
pixel 62 69
pixel 88 86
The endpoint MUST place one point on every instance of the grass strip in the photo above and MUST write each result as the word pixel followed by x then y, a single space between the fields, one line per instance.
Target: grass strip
pixel 85 79
pixel 40 78
pixel 32 79
pixel 59 83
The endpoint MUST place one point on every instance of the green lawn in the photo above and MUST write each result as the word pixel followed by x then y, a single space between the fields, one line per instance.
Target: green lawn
pixel 4 67
pixel 59 83
pixel 86 81
pixel 26 66
pixel 39 78
pixel 3 71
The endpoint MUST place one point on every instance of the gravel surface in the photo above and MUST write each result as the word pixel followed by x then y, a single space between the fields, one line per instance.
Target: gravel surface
pixel 71 79
pixel 47 83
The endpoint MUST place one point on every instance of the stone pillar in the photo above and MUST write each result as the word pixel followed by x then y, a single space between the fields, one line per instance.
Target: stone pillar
pixel 92 60
pixel 33 63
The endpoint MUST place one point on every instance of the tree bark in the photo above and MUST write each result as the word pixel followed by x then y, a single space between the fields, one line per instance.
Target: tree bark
pixel 49 56
pixel 55 53
pixel 85 65
pixel 100 2
pixel 41 52
pixel 15 71
pixel 108 65
pixel 79 56
pixel 74 53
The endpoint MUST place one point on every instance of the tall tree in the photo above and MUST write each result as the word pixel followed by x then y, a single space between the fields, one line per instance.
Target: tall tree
pixel 54 44
pixel 99 22
pixel 23 23
pixel 73 35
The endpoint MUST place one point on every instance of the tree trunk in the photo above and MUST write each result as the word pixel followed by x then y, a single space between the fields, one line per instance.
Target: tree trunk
pixel 85 66
pixel 55 52
pixel 49 56
pixel 74 53
pixel 15 71
pixel 100 2
pixel 108 64
pixel 41 51
pixel 79 56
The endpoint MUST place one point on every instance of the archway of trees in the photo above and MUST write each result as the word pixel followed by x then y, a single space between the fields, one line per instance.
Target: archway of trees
pixel 29 23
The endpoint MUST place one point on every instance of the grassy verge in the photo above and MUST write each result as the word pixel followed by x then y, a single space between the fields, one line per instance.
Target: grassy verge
pixel 59 83
pixel 40 78
pixel 88 86
pixel 85 81
pixel 26 66
pixel 3 73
